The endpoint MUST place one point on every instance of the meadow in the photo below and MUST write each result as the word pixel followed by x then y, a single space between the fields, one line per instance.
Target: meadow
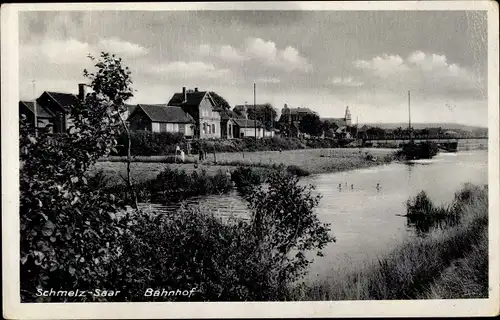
pixel 311 160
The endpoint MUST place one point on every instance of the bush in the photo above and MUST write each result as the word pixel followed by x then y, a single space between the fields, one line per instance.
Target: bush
pixel 145 143
pixel 422 150
pixel 245 179
pixel 176 185
pixel 297 171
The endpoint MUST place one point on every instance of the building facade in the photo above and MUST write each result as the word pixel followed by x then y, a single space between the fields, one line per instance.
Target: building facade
pixel 202 108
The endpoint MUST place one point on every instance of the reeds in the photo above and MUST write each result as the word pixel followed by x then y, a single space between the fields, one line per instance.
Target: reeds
pixel 447 263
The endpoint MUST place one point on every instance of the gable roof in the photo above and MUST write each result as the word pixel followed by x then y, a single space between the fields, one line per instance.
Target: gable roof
pixel 65 100
pixel 244 123
pixel 130 107
pixel 229 114
pixel 194 98
pixel 164 113
pixel 41 111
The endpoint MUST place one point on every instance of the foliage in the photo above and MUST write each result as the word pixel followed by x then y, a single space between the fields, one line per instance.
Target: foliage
pixel 266 114
pixel 311 124
pixel 65 224
pixel 297 171
pixel 75 232
pixel 286 226
pixel 448 263
pixel 245 179
pixel 147 143
pixel 422 150
pixel 220 101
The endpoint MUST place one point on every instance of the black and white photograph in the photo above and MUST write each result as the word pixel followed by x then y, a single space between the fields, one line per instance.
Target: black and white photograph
pixel 330 158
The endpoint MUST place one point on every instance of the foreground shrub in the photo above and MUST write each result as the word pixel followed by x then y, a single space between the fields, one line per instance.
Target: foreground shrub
pixel 245 179
pixel 286 226
pixel 297 171
pixel 66 225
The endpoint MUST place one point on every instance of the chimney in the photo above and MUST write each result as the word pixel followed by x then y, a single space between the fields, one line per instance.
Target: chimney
pixel 196 89
pixel 82 91
pixel 184 94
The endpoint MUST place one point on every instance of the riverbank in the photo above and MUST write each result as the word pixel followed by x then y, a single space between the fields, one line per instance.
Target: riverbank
pixel 446 263
pixel 310 160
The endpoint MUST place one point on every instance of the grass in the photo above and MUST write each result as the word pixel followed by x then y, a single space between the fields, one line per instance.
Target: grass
pixel 447 263
pixel 307 160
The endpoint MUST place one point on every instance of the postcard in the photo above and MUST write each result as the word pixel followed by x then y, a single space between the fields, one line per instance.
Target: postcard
pixel 250 159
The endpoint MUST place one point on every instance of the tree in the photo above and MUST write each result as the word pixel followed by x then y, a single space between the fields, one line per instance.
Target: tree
pixel 283 221
pixel 220 101
pixel 311 124
pixel 266 114
pixel 65 220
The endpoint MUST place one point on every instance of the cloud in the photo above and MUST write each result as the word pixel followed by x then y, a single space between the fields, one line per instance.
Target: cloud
pixel 120 47
pixel 346 82
pixel 430 73
pixel 268 80
pixel 262 51
pixel 222 52
pixel 229 53
pixel 383 66
pixel 288 59
pixel 189 70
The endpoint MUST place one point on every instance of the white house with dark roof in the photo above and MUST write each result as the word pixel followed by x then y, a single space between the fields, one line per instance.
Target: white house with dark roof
pixel 161 118
pixel 203 109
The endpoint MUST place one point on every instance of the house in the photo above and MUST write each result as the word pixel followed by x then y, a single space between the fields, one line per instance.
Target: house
pixel 52 108
pixel 248 128
pixel 229 128
pixel 161 118
pixel 44 116
pixel 202 108
pixel 290 119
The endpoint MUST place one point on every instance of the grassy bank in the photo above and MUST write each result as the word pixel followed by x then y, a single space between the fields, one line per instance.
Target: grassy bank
pixel 308 160
pixel 450 262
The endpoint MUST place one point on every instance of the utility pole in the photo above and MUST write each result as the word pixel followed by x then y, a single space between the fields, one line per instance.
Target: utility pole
pixel 254 112
pixel 35 109
pixel 409 116
pixel 357 127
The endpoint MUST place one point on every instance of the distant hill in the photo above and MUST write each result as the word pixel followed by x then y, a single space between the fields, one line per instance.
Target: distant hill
pixel 420 126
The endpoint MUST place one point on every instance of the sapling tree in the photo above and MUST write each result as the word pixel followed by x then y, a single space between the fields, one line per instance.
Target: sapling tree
pixel 285 226
pixel 67 227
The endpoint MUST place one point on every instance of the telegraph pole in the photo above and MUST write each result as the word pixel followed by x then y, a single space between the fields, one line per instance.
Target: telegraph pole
pixel 409 116
pixel 35 109
pixel 254 112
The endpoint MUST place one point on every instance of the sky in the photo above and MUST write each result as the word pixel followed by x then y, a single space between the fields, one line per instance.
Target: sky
pixel 322 60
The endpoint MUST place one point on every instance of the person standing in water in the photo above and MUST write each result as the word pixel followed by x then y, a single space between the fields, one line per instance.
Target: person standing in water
pixel 378 186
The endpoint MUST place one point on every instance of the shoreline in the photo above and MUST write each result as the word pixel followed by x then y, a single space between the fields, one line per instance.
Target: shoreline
pixel 313 161
pixel 429 267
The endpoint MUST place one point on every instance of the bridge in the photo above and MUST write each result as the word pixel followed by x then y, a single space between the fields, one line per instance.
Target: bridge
pixel 419 138
pixel 449 143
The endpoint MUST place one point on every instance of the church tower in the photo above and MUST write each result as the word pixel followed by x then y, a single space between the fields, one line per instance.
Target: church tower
pixel 347 116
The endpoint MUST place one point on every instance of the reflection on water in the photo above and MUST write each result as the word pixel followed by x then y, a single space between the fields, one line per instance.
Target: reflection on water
pixel 364 219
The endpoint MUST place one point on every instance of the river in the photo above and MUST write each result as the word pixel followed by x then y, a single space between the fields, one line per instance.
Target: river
pixel 365 219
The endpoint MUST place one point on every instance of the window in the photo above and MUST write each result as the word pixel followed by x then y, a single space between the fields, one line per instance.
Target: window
pixel 163 127
pixel 213 128
pixel 175 127
pixel 170 127
pixel 230 131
